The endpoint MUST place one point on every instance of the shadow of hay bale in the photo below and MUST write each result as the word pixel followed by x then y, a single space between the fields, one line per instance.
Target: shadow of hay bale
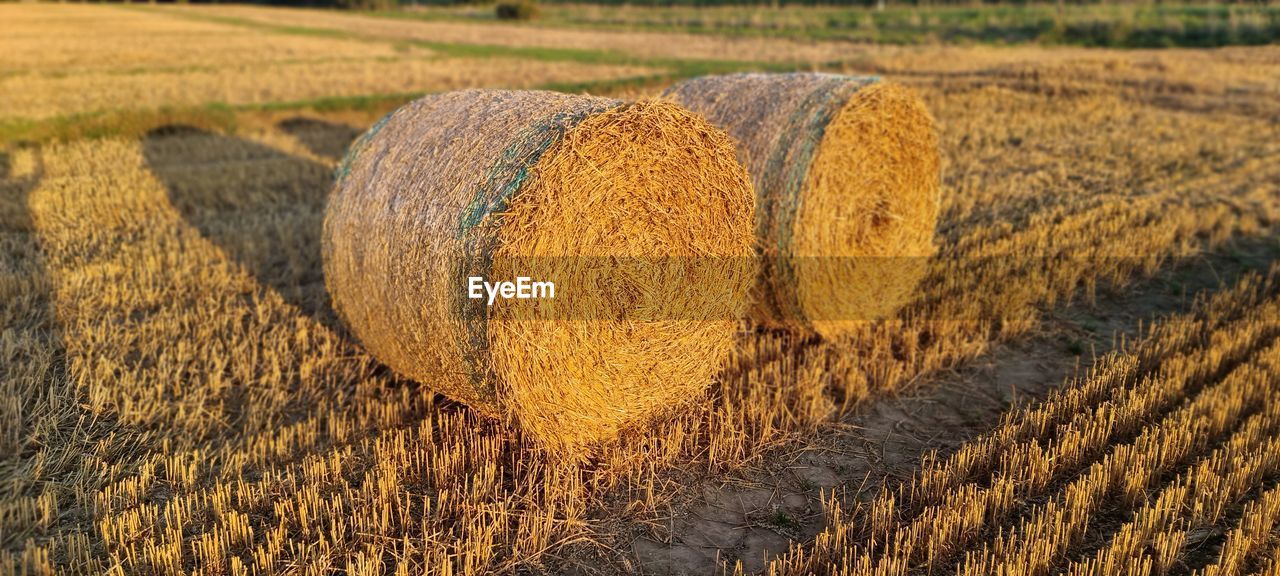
pixel 22 257
pixel 30 308
pixel 325 139
pixel 52 432
pixel 264 208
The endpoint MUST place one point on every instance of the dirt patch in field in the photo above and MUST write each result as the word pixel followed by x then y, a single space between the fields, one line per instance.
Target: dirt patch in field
pixel 757 516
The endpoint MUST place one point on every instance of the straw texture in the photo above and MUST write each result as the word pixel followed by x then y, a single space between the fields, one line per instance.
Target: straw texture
pixel 846 173
pixel 500 184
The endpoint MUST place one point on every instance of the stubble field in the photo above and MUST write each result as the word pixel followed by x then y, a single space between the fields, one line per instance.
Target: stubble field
pixel 1086 383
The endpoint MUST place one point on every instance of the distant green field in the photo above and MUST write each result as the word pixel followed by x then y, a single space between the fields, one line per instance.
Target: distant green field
pixel 1118 26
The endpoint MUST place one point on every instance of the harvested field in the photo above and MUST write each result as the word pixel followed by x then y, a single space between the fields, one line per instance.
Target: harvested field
pixel 1091 352
pixel 189 63
pixel 636 44
pixel 54 42
pixel 43 97
pixel 1169 435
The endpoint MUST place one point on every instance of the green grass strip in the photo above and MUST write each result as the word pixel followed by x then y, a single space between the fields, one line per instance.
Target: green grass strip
pixel 682 67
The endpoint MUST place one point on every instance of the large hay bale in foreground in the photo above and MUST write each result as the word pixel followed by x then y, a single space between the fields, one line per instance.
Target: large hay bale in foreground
pixel 638 212
pixel 846 173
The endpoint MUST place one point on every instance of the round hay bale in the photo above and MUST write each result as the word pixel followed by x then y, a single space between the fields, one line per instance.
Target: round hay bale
pixel 846 173
pixel 638 212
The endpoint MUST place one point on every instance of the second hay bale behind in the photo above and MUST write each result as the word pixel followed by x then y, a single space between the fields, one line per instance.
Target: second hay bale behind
pixel 846 173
